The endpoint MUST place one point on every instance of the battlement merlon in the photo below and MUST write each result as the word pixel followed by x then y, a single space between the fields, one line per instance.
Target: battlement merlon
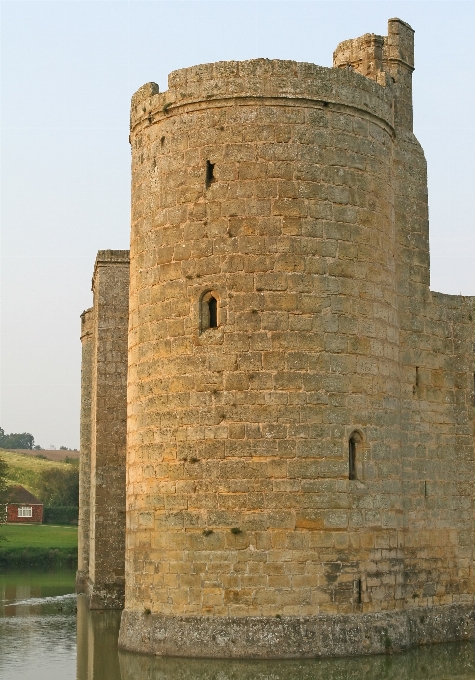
pixel 364 55
pixel 384 59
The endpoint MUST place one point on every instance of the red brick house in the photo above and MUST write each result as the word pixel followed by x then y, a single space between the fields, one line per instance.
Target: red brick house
pixel 22 506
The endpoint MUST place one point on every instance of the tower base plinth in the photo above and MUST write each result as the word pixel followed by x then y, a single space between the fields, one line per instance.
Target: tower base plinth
pixel 294 637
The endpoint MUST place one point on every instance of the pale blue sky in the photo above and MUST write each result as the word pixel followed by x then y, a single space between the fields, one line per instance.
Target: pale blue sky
pixel 69 69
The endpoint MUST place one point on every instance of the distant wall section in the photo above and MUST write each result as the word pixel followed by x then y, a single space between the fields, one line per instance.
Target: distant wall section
pixel 105 582
pixel 87 341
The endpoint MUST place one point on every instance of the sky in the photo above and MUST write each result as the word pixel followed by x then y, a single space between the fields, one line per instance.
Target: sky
pixel 68 70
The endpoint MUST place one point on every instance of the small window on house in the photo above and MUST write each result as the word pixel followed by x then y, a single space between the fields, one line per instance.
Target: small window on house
pixel 209 311
pixel 25 512
pixel 354 443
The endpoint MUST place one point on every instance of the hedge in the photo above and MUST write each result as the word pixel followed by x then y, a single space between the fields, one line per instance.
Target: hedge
pixel 38 557
pixel 60 515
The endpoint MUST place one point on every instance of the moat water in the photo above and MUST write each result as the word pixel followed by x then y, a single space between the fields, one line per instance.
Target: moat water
pixel 47 633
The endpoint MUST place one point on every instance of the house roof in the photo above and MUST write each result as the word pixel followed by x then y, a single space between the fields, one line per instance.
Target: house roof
pixel 18 494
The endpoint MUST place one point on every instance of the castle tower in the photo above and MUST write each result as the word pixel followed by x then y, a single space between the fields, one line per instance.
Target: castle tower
pixel 264 471
pixel 109 321
pixel 300 405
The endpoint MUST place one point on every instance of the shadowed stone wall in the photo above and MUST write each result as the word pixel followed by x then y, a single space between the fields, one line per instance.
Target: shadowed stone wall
pixel 105 586
pixel 87 340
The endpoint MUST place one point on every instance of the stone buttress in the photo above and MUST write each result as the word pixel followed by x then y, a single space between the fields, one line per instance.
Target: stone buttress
pixel 103 434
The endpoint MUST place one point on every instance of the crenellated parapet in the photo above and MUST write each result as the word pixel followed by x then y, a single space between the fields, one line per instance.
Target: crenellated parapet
pixel 230 82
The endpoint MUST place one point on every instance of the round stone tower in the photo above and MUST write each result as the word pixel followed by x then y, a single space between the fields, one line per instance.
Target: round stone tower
pixel 263 487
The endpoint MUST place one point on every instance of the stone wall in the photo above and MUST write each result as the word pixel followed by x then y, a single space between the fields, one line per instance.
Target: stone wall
pixel 105 586
pixel 270 186
pixel 87 341
pixel 437 448
pixel 300 404
pixel 321 635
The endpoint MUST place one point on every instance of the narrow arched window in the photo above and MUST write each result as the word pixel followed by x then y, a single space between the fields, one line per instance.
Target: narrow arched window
pixel 213 312
pixel 353 445
pixel 209 310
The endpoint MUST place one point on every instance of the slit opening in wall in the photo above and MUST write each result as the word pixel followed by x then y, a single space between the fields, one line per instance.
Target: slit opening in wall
pixel 213 312
pixel 473 389
pixel 416 382
pixel 354 443
pixel 359 590
pixel 209 311
pixel 209 177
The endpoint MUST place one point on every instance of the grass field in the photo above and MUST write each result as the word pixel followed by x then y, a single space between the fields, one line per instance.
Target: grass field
pixel 38 536
pixel 25 470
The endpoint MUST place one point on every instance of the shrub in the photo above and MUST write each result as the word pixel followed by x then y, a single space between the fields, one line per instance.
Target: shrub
pixel 60 515
pixel 37 557
pixel 59 488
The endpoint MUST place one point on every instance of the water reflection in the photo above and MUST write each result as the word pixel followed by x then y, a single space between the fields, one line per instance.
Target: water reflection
pixel 439 662
pixel 40 631
pixel 37 626
pixel 97 633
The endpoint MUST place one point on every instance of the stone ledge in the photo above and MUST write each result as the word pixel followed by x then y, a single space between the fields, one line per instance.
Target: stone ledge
pixel 294 637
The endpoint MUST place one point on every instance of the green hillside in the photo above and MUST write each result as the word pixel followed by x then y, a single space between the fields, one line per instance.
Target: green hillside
pixel 25 470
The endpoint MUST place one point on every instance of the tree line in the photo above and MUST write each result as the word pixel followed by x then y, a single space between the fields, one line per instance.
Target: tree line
pixel 16 440
pixel 22 440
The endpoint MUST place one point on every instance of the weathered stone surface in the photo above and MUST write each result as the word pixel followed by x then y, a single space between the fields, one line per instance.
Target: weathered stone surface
pixel 109 316
pixel 87 340
pixel 300 404
pixel 290 636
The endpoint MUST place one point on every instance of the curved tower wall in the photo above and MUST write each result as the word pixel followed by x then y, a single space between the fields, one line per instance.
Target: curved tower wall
pixel 238 498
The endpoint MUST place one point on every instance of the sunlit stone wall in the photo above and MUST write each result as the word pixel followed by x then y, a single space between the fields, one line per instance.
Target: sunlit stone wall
pixel 300 405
